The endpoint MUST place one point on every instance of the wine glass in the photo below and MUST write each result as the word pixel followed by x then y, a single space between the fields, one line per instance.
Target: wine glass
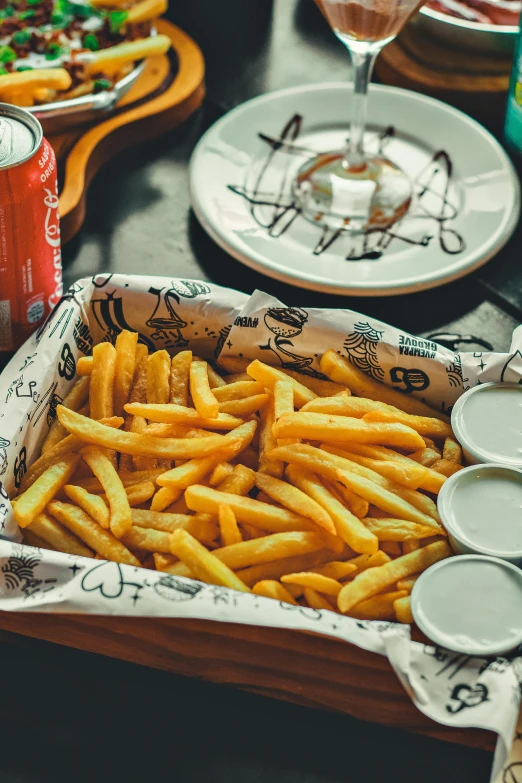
pixel 351 189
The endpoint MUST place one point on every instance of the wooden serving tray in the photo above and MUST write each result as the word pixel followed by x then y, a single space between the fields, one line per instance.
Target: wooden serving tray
pixel 303 668
pixel 165 95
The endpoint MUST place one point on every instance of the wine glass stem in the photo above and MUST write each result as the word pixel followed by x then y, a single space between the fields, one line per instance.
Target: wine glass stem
pixel 363 57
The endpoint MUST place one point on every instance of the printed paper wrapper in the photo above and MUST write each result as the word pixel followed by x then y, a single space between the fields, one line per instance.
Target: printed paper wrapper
pixel 216 322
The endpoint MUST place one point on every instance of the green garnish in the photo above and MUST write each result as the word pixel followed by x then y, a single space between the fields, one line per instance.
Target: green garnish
pixel 91 42
pixel 33 2
pixel 102 84
pixel 58 19
pixel 24 68
pixel 116 20
pixel 21 37
pixel 7 12
pixel 7 55
pixel 84 11
pixel 23 15
pixel 52 51
pixel 2 71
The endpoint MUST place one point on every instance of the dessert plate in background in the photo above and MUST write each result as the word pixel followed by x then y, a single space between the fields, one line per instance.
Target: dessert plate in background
pixel 466 193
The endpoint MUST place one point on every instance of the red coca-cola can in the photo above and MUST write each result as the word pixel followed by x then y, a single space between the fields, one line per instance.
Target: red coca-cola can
pixel 30 254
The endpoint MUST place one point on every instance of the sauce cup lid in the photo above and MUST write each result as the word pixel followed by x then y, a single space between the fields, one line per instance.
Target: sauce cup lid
pixel 471 604
pixel 486 424
pixel 494 521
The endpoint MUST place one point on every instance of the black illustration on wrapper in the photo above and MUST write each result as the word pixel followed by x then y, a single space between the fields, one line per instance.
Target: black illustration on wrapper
pixel 165 321
pixel 4 443
pixel 510 371
pixel 361 349
pixel 109 315
pixel 285 323
pixel 465 696
pixel 19 573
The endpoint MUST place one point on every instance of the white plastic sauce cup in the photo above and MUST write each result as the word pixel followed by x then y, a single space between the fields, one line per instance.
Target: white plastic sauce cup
pixel 481 509
pixel 487 422
pixel 470 604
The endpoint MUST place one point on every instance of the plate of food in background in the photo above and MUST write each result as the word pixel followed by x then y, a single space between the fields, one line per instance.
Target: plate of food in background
pixel 488 26
pixel 68 61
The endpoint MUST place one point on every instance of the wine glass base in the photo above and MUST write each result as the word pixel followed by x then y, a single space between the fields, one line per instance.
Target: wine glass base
pixel 369 196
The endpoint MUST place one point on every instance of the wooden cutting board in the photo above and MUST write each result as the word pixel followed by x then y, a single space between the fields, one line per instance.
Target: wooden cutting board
pixel 169 90
pixel 470 81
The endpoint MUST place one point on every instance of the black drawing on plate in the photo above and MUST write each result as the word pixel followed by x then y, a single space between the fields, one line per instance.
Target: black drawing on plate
pixel 165 321
pixel 273 207
pixel 509 372
pixel 109 316
pixel 108 578
pixel 452 341
pixel 284 323
pixel 174 589
pixel 19 574
pixel 465 696
pixel 4 443
pixel 361 347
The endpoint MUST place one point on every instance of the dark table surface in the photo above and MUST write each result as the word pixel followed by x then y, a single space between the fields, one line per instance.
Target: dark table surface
pixel 73 716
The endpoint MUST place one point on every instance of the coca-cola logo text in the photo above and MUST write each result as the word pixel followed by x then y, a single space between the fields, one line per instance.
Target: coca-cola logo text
pixel 52 237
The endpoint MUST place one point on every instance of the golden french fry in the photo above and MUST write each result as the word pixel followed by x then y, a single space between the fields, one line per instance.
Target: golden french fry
pixel 335 569
pixel 139 493
pixel 445 467
pixel 245 407
pixel 402 608
pixel 33 501
pixel 267 442
pixel 126 343
pixel 319 426
pixel 268 548
pixel 240 481
pixel 31 539
pixel 267 376
pixel 205 530
pixel 220 473
pixel 238 390
pixel 390 529
pixel 424 425
pixel 203 564
pixel 296 500
pixel 234 364
pixel 101 466
pixel 391 548
pixel 269 588
pixel 407 475
pixel 132 443
pixel 267 517
pixel 230 533
pixel 74 400
pixel 179 378
pixel 100 540
pixel 146 11
pixel 286 565
pixel 102 381
pixel 165 497
pixel 249 531
pixel 204 401
pixel 138 393
pixel 425 456
pixel 283 398
pixel 53 534
pixel 127 479
pixel 91 504
pixel 340 370
pixel 379 607
pixel 346 525
pixel 363 562
pixel 215 380
pixel 69 444
pixel 410 546
pixel 320 387
pixel 158 378
pixel 109 60
pixel 319 582
pixel 407 583
pixel 147 539
pixel 84 366
pixel 194 470
pixel 375 580
pixel 357 505
pixel 240 376
pixel 315 600
pixel 176 414
pixel 27 81
pixel 343 404
pixel 327 465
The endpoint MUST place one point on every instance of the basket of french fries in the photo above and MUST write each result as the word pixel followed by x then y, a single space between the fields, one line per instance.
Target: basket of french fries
pixel 188 443
pixel 68 61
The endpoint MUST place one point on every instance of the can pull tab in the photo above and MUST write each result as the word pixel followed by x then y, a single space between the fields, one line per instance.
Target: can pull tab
pixel 6 141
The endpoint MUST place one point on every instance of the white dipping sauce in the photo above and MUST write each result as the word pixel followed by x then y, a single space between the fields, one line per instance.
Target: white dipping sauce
pixel 482 507
pixel 488 423
pixel 471 604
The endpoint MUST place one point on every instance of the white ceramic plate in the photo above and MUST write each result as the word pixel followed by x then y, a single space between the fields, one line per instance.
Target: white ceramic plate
pixel 456 223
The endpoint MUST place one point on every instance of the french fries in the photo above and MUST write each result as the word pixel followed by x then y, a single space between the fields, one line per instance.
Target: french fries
pixel 295 488
pixel 111 60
